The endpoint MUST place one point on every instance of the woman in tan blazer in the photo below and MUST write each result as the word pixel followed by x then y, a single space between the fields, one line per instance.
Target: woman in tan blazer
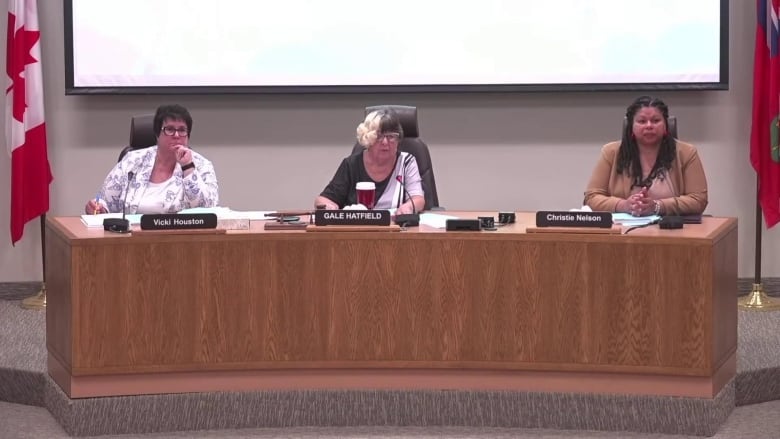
pixel 648 172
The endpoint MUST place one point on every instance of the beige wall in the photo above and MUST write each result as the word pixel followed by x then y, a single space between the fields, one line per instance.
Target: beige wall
pixel 524 151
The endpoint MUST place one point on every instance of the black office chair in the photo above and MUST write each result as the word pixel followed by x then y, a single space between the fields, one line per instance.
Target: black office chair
pixel 142 134
pixel 412 144
pixel 671 126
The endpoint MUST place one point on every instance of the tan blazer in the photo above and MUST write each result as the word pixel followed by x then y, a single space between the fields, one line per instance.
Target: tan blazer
pixel 606 187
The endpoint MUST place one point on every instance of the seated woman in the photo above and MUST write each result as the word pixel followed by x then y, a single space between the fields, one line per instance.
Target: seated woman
pixel 648 172
pixel 164 178
pixel 380 162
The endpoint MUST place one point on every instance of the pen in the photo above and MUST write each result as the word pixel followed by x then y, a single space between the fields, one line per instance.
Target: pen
pixel 97 203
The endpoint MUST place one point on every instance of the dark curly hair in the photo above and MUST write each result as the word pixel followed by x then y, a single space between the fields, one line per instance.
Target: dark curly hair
pixel 628 154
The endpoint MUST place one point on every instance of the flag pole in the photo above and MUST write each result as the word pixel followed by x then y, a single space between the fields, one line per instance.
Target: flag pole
pixel 38 300
pixel 757 300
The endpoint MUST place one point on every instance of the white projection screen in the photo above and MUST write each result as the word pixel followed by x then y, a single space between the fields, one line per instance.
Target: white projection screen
pixel 350 46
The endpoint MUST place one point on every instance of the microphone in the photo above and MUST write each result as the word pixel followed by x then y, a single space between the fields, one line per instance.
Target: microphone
pixel 120 225
pixel 409 219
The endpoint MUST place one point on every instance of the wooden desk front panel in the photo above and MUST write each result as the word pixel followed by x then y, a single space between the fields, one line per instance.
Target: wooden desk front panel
pixel 59 296
pixel 356 300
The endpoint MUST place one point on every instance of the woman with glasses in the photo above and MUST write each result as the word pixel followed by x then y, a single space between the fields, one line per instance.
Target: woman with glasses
pixel 164 178
pixel 394 173
pixel 648 172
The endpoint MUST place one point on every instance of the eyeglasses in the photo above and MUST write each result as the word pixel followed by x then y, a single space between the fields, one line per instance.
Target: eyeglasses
pixel 390 137
pixel 169 131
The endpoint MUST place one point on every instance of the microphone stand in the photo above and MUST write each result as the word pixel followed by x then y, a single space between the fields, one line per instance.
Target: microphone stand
pixel 409 219
pixel 120 225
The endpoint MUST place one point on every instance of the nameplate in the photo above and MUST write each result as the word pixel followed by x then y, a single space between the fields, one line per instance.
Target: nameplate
pixel 178 221
pixel 352 217
pixel 547 218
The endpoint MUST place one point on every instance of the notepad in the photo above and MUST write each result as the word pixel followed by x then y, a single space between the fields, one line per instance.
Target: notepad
pixel 227 213
pixel 435 220
pixel 628 220
pixel 215 210
pixel 97 220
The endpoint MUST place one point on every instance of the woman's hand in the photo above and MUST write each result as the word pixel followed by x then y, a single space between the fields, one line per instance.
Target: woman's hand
pixel 404 209
pixel 324 203
pixel 93 207
pixel 641 204
pixel 183 154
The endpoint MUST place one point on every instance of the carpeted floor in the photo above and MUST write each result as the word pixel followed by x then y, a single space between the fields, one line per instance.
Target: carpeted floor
pixel 758 362
pixel 758 421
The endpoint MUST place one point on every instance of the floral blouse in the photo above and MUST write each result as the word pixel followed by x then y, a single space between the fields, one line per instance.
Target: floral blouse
pixel 131 175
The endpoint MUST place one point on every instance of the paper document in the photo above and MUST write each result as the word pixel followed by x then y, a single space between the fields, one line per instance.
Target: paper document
pixel 227 213
pixel 253 215
pixel 625 219
pixel 217 210
pixel 97 220
pixel 582 209
pixel 435 220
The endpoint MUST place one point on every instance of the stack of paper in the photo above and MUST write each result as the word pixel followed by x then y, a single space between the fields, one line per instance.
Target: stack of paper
pixel 435 220
pixel 227 213
pixel 628 220
pixel 97 220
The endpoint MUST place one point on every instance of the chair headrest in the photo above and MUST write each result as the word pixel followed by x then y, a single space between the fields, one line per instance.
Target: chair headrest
pixel 671 126
pixel 406 114
pixel 142 131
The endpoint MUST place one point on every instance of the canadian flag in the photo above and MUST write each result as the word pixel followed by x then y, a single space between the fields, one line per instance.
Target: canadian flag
pixel 25 129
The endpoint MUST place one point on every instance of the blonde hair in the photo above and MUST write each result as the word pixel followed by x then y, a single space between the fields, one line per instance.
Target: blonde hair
pixel 377 122
pixel 367 131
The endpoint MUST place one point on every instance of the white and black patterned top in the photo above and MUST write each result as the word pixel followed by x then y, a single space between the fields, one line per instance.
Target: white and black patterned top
pixel 199 189
pixel 390 194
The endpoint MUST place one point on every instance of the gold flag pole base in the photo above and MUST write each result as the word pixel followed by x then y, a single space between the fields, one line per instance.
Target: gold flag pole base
pixel 757 300
pixel 37 301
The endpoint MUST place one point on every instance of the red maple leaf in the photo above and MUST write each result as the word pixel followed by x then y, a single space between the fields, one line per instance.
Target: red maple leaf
pixel 18 56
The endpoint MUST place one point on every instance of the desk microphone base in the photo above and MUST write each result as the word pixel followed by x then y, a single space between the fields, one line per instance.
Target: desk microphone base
pixel 408 220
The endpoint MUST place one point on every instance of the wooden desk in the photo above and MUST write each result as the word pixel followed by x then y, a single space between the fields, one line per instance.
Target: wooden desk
pixel 652 312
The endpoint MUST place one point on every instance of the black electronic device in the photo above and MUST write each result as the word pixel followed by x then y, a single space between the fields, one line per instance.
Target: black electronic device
pixel 463 225
pixel 487 223
pixel 506 217
pixel 671 222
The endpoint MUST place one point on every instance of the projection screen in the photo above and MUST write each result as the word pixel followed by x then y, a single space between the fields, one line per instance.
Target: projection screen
pixel 314 46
